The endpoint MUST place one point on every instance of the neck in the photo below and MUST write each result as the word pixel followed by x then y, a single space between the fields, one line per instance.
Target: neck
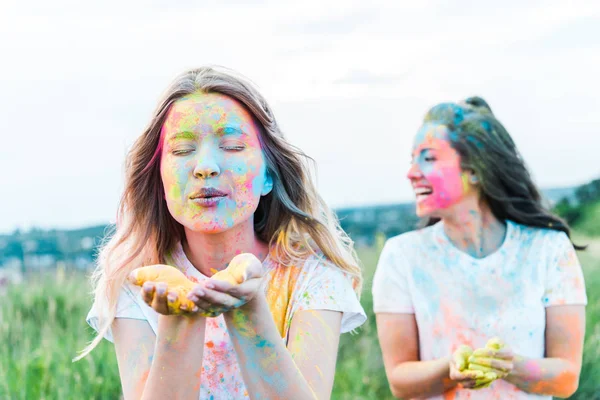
pixel 212 252
pixel 474 229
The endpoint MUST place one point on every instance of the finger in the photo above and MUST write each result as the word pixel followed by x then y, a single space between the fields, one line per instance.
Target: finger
pixel 132 277
pixel 254 270
pixel 465 375
pixel 468 384
pixel 460 356
pixel 221 300
pixel 483 370
pixel 196 296
pixel 205 308
pixel 218 285
pixel 472 374
pixel 484 352
pixel 148 292
pixel 495 343
pixel 504 354
pixel 482 383
pixel 495 364
pixel 245 290
pixel 159 303
pixel 174 304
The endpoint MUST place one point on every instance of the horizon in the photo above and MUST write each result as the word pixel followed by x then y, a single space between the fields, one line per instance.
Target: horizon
pixel 349 83
pixel 335 209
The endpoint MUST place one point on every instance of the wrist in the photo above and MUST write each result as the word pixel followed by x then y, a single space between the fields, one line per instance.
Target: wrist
pixel 251 307
pixel 171 327
pixel 521 365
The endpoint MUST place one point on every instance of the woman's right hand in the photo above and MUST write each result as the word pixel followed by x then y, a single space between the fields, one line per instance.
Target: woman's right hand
pixel 156 295
pixel 458 372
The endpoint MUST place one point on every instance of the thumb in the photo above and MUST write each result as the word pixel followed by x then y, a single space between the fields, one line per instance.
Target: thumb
pixel 255 269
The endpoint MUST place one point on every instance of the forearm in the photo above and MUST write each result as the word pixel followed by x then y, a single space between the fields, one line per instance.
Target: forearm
pixel 420 379
pixel 549 376
pixel 177 362
pixel 267 366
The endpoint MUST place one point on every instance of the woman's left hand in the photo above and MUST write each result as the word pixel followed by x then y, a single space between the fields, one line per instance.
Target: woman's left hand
pixel 220 294
pixel 486 360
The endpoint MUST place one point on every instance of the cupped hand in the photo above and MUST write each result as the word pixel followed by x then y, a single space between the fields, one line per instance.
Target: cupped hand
pixel 165 302
pixel 499 362
pixel 458 368
pixel 224 296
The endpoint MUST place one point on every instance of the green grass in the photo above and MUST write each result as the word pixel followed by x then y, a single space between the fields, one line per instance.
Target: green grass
pixel 589 221
pixel 42 327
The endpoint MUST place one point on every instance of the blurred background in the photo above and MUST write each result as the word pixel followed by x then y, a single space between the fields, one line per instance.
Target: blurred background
pixel 349 82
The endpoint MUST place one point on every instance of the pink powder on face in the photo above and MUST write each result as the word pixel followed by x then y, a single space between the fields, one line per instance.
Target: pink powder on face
pixel 436 165
pixel 156 156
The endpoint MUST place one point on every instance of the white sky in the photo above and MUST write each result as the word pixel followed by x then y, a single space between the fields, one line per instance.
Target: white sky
pixel 349 83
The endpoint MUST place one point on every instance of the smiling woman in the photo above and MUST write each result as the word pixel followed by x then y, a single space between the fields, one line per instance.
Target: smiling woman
pixel 212 187
pixel 490 294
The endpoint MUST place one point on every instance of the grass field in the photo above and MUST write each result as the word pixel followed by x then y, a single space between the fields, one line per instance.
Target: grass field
pixel 42 327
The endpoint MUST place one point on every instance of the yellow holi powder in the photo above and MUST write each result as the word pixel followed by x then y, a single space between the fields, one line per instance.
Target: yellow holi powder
pixel 279 294
pixel 328 333
pixel 175 279
pixel 464 355
pixel 237 270
pixel 465 182
pixel 178 283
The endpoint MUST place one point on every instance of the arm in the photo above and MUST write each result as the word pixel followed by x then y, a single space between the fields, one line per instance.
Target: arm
pixel 408 377
pixel 558 373
pixel 134 345
pixel 165 365
pixel 306 371
pixel 162 366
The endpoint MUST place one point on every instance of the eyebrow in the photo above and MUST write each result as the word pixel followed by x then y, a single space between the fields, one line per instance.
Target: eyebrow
pixel 230 130
pixel 183 135
pixel 424 149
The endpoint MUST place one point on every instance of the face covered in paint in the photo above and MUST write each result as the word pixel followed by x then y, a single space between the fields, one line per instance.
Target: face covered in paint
pixel 212 166
pixel 435 173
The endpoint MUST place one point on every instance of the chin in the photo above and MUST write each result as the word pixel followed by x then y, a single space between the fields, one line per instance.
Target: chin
pixel 425 212
pixel 211 227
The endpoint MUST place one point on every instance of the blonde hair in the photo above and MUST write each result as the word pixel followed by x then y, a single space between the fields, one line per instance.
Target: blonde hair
pixel 292 218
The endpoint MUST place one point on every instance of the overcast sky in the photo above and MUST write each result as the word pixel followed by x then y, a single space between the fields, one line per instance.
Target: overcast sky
pixel 349 84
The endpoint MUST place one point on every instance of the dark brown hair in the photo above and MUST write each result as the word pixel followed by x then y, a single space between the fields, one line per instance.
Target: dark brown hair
pixel 486 148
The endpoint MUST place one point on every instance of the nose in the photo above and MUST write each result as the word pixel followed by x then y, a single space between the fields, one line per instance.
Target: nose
pixel 207 165
pixel 414 172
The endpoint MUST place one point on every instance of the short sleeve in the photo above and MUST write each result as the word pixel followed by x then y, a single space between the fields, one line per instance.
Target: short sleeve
pixel 127 307
pixel 327 287
pixel 390 285
pixel 564 277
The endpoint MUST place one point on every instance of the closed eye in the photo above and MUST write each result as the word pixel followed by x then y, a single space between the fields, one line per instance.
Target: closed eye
pixel 181 152
pixel 232 145
pixel 233 148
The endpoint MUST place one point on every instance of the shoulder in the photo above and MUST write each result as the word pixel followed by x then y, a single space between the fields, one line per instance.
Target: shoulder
pixel 413 241
pixel 314 263
pixel 318 266
pixel 535 236
pixel 325 286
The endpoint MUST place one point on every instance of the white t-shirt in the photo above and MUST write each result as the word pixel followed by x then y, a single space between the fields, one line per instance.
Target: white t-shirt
pixel 458 299
pixel 315 285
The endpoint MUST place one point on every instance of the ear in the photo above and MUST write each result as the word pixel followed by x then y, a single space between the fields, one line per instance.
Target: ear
pixel 473 179
pixel 268 186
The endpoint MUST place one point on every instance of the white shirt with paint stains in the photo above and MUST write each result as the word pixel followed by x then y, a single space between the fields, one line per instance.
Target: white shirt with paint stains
pixel 319 285
pixel 458 299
